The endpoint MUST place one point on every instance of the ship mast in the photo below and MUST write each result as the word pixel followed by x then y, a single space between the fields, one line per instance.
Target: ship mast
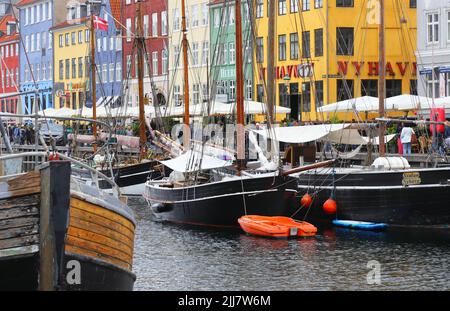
pixel 140 44
pixel 270 81
pixel 382 79
pixel 240 113
pixel 93 80
pixel 186 129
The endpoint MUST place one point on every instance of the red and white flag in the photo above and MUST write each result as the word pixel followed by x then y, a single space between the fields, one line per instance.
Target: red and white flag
pixel 100 23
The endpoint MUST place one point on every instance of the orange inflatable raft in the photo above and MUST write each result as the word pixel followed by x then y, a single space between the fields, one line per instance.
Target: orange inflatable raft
pixel 277 227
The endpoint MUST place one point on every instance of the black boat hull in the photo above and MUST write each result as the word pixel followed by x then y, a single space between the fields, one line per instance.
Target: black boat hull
pixel 384 197
pixel 22 273
pixel 221 204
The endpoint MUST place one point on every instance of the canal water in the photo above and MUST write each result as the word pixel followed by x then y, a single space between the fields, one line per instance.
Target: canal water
pixel 176 258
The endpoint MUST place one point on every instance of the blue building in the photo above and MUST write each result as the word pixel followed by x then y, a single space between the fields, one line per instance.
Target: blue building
pixel 108 56
pixel 36 17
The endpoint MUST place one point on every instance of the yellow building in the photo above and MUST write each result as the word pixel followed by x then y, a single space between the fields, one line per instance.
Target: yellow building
pixel 71 41
pixel 327 51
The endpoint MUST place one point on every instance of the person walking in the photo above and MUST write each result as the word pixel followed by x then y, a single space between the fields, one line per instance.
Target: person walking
pixel 406 138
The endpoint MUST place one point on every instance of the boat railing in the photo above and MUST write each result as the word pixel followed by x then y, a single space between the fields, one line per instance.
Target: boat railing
pixel 95 173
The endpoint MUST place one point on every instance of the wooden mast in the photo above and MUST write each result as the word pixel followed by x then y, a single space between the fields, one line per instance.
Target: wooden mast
pixel 186 129
pixel 240 113
pixel 271 81
pixel 140 55
pixel 382 79
pixel 93 80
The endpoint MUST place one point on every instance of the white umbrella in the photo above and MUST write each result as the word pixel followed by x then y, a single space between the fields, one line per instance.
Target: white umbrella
pixel 408 102
pixel 361 104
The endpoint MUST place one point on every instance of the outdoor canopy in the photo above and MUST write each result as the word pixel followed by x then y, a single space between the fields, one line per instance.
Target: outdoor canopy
pixel 189 162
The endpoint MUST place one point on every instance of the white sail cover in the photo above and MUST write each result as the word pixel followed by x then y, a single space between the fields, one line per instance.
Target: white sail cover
pixel 304 134
pixel 190 162
pixel 361 104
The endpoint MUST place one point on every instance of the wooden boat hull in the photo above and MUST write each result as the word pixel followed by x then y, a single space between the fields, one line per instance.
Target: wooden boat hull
pixel 222 204
pixel 400 198
pixel 93 232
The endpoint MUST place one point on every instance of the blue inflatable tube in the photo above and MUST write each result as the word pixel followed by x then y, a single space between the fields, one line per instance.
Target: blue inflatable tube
pixel 360 225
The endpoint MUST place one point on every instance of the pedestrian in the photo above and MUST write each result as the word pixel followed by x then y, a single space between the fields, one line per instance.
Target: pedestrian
pixel 406 138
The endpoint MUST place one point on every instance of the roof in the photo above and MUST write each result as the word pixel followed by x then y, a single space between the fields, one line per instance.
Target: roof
pixel 71 23
pixel 116 11
pixel 26 2
pixel 3 28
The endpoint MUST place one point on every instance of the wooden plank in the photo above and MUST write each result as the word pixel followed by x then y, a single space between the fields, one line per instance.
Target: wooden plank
pixel 19 212
pixel 93 227
pixel 20 192
pixel 101 239
pixel 105 250
pixel 89 253
pixel 18 232
pixel 19 222
pixel 100 211
pixel 31 200
pixel 18 242
pixel 101 221
pixel 19 251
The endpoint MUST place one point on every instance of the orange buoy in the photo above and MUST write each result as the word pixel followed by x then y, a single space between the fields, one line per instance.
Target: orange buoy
pixel 306 200
pixel 330 206
pixel 276 226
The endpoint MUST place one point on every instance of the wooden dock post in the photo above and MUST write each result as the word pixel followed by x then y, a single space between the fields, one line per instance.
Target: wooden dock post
pixel 54 221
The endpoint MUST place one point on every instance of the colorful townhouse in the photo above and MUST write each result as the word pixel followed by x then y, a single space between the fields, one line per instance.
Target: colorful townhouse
pixel 72 57
pixel 108 56
pixel 327 51
pixel 156 30
pixel 9 64
pixel 36 52
pixel 198 35
pixel 223 49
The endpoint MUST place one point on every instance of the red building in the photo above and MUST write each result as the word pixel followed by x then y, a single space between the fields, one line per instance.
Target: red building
pixel 9 64
pixel 155 20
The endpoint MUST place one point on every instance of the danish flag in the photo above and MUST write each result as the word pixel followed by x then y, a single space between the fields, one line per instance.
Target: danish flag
pixel 100 23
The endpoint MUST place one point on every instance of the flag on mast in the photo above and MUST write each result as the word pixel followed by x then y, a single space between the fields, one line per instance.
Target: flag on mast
pixel 100 23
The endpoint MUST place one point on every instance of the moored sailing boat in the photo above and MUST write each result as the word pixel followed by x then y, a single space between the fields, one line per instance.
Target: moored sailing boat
pixel 389 191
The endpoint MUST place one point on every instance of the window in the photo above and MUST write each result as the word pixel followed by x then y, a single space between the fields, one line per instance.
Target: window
pixel 105 44
pixel 119 72
pixel 369 88
pixel 176 56
pixel 27 16
pixel 393 88
pixel 32 42
pixel 195 12
pixel 306 44
pixel 294 6
pixel 44 40
pixel 44 71
pixel 413 87
pixel 232 94
pixel 27 43
pixel 164 59
pixel 344 41
pixel 259 93
pixel 318 42
pixel 38 41
pixel 231 15
pixel 205 53
pixel 281 7
pixel 318 4
pixel 155 63
pixel 205 14
pixel 111 43
pixel 67 41
pixel 195 54
pixel 104 73
pixel 217 18
pixel 128 25
pixel 345 89
pixel 74 68
pixel 259 8
pixel 221 54
pixel 232 52
pixel 80 67
pixel 413 4
pixel 282 47
pixel 306 5
pixel 176 19
pixel 87 35
pixel 67 69
pixel 73 36
pixel 294 45
pixel 319 94
pixel 433 28
pixel 260 49
pixel 178 100
pixel 248 89
pixel 111 73
pixel 164 23
pixel 196 93
pixel 344 3
pixel 154 24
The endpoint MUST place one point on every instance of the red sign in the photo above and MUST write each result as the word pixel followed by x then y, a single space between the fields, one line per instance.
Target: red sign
pixel 373 68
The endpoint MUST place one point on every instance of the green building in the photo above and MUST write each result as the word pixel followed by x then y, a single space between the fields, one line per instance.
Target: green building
pixel 223 49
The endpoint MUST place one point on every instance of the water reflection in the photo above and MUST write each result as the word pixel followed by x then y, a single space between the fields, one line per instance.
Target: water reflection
pixel 171 257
